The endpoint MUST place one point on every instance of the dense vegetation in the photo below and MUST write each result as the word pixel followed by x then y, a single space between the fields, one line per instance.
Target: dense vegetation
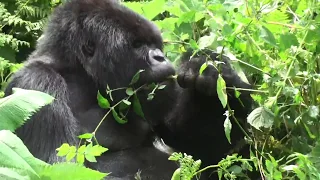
pixel 276 44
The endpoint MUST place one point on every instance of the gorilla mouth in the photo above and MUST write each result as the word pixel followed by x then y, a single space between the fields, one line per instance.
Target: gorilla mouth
pixel 158 73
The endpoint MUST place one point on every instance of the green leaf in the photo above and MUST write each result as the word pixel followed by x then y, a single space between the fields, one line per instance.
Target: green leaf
pixel 315 155
pixel 227 128
pixel 153 8
pixel 71 171
pixel 86 136
pixel 227 30
pixel 17 108
pixel 82 149
pixel 221 90
pixel 126 102
pixel 206 41
pixel 235 169
pixel 102 101
pixel 97 150
pixel 150 96
pixel 137 106
pixel 287 40
pixel 261 117
pixel 72 153
pixel 313 111
pixel 267 36
pixel 15 155
pixel 129 91
pixel 193 44
pixel 11 174
pixel 90 158
pixel 117 118
pixel 161 87
pixel 176 174
pixel 63 150
pixel 136 77
pixel 203 67
pixel 187 17
pixel 80 158
pixel 135 6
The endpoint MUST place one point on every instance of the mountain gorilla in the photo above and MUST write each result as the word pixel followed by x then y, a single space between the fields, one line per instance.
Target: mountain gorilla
pixel 89 44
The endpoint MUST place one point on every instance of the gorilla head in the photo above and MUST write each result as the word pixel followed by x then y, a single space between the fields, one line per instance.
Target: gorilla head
pixel 105 38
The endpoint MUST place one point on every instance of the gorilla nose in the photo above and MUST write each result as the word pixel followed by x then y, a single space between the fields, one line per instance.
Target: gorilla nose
pixel 156 54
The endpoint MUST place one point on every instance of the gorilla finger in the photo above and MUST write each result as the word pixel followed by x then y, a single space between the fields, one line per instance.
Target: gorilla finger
pixel 189 78
pixel 206 85
pixel 180 80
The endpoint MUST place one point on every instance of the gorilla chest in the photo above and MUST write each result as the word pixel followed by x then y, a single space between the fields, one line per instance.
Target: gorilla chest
pixel 111 134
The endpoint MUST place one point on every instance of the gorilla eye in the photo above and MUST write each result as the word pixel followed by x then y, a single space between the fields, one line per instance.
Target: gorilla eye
pixel 137 44
pixel 88 49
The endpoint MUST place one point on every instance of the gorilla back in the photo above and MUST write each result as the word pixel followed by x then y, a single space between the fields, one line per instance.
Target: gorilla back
pixel 89 44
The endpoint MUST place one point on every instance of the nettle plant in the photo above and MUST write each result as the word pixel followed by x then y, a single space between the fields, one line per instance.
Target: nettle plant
pixel 277 43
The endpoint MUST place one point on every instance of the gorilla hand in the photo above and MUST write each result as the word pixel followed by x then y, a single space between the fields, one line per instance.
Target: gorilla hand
pixel 189 76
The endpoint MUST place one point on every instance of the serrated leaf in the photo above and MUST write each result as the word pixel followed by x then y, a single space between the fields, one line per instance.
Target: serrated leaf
pixel 15 155
pixel 90 158
pixel 221 90
pixel 136 77
pixel 102 101
pixel 227 128
pixel 206 41
pixel 17 108
pixel 71 171
pixel 72 153
pixel 261 117
pixel 63 150
pixel 117 118
pixel 137 106
pixel 70 156
pixel 80 158
pixel 267 36
pixel 287 40
pixel 97 150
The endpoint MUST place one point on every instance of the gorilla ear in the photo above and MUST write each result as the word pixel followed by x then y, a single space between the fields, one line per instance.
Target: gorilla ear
pixel 88 49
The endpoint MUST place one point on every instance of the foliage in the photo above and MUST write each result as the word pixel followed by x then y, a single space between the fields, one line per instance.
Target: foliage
pixel 19 104
pixel 21 24
pixel 15 159
pixel 277 44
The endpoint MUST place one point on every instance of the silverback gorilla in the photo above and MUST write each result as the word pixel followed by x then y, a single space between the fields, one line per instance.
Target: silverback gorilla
pixel 89 44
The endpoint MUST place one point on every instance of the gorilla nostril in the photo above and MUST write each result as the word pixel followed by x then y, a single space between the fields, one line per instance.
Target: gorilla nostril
pixel 157 55
pixel 159 58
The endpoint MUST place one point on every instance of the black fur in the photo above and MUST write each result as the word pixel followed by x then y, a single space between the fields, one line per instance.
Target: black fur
pixel 91 43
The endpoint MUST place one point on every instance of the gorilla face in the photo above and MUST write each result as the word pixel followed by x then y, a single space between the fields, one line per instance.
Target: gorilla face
pixel 107 37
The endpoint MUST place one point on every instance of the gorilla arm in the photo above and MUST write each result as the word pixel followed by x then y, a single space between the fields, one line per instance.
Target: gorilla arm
pixel 195 124
pixel 53 124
